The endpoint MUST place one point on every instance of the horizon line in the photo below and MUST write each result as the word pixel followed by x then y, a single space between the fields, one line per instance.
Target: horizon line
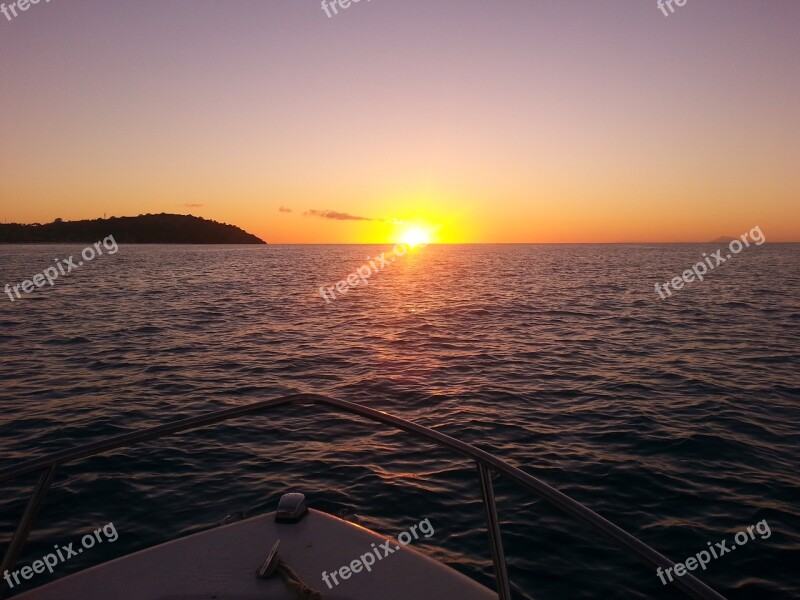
pixel 2 243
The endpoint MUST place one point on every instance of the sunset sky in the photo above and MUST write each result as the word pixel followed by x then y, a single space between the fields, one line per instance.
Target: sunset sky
pixel 513 121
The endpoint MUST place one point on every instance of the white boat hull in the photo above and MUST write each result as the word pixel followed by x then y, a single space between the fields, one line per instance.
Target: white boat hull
pixel 221 564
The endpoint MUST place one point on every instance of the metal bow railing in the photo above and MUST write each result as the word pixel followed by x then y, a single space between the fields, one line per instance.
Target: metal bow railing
pixel 486 464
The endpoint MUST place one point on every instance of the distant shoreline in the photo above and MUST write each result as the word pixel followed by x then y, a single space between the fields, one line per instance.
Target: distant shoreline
pixel 86 241
pixel 517 244
pixel 145 229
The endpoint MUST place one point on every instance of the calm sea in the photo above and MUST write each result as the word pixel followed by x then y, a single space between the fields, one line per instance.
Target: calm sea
pixel 677 420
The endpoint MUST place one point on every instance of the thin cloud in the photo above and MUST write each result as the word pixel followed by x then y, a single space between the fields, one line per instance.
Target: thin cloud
pixel 283 209
pixel 194 205
pixel 336 216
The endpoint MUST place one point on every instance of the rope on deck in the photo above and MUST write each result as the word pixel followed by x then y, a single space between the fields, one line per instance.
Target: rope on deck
pixel 292 579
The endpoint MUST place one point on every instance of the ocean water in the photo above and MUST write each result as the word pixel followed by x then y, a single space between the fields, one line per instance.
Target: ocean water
pixel 677 419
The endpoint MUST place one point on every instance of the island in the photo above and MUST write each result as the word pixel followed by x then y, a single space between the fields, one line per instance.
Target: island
pixel 723 239
pixel 144 229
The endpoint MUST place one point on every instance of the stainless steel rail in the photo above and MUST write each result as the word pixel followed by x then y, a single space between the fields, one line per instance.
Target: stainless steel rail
pixel 487 463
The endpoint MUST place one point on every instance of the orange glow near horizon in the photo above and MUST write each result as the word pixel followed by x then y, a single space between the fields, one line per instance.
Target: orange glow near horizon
pixel 488 128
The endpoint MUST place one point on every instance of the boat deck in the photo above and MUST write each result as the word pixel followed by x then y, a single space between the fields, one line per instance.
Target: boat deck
pixel 221 564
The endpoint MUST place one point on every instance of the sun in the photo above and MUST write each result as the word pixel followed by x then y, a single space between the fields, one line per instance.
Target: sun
pixel 415 237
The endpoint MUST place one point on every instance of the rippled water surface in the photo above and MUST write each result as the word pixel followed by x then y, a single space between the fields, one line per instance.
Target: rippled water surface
pixel 677 420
